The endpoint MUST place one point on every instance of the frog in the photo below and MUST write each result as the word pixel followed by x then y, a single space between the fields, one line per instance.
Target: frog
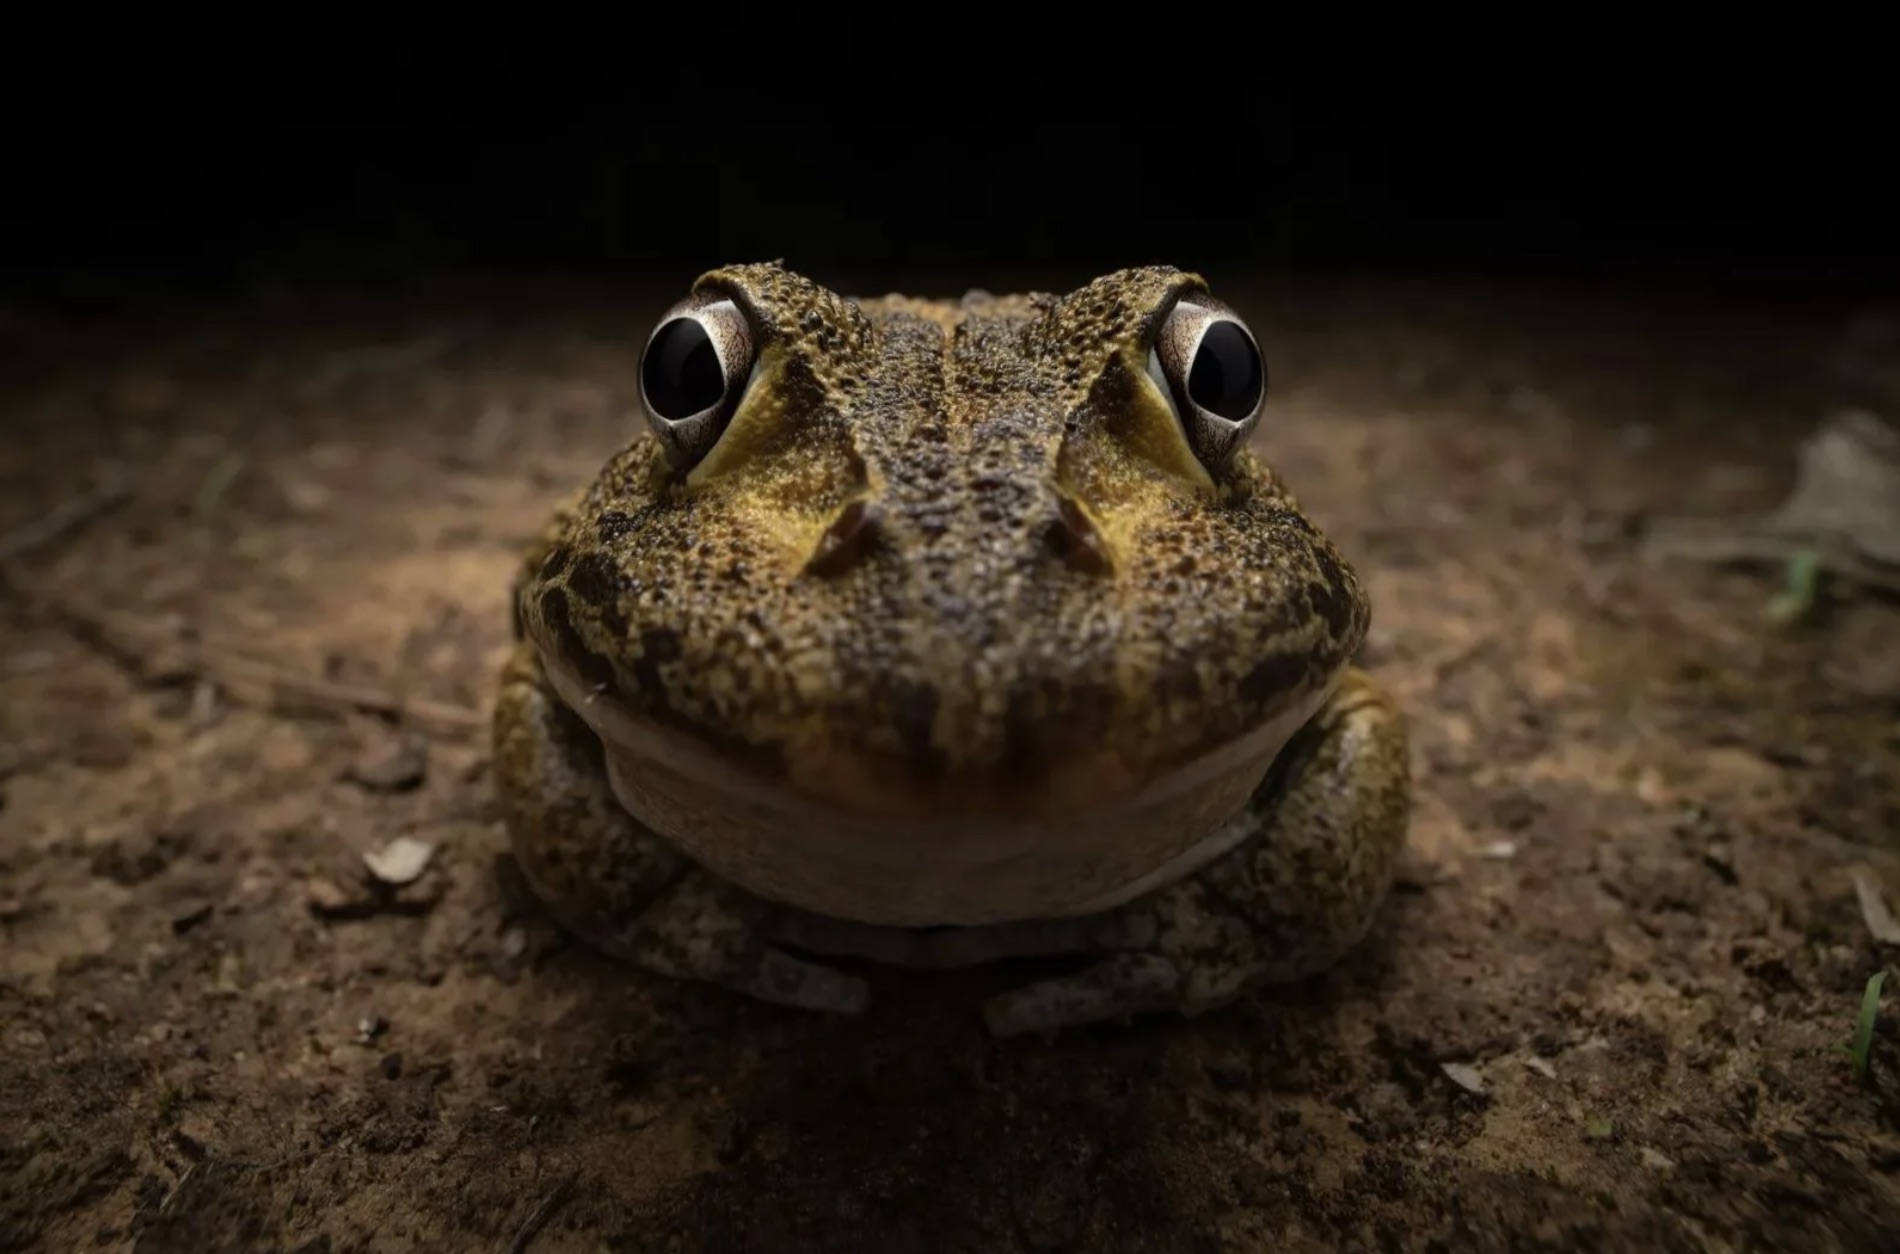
pixel 932 633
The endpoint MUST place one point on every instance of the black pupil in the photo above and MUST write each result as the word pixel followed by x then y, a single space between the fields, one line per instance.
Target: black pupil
pixel 682 370
pixel 1228 376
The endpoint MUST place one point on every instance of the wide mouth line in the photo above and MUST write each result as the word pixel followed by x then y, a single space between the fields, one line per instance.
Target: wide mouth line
pixel 636 737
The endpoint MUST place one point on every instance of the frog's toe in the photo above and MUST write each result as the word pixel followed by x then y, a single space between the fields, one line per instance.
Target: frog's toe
pixel 777 977
pixel 705 930
pixel 1117 987
pixel 767 974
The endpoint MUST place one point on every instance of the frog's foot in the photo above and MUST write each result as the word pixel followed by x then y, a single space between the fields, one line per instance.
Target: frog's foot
pixel 617 885
pixel 1287 902
pixel 703 929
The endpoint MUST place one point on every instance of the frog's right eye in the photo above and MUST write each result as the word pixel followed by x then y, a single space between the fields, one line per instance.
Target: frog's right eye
pixel 693 374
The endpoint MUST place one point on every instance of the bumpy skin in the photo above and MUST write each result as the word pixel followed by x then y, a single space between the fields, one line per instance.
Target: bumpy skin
pixel 949 638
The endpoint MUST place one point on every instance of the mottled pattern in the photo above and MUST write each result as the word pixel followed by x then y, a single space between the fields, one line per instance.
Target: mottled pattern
pixel 622 888
pixel 1041 596
pixel 942 620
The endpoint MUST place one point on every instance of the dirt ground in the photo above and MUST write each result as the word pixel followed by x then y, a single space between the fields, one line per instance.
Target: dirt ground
pixel 1605 1008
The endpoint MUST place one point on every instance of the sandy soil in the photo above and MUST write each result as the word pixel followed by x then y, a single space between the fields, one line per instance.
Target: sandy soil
pixel 1606 1007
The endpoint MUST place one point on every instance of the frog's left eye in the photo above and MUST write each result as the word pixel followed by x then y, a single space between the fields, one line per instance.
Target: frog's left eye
pixel 1208 364
pixel 693 374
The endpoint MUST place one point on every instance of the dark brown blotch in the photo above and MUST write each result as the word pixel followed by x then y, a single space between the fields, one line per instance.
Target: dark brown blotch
pixel 613 526
pixel 659 647
pixel 851 537
pixel 914 718
pixel 517 624
pixel 555 564
pixel 597 583
pixel 1272 676
pixel 1331 599
pixel 556 615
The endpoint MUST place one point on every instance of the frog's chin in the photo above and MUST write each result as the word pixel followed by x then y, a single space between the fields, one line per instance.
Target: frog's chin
pixel 930 860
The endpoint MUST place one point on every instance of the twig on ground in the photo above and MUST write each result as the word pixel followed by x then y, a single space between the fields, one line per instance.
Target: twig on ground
pixel 538 1217
pixel 284 686
pixel 158 657
pixel 171 1195
pixel 68 516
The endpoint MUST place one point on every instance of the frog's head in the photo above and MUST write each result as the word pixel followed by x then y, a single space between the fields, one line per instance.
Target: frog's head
pixel 1004 558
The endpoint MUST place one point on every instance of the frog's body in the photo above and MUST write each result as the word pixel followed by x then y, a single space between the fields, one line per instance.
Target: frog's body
pixel 942 631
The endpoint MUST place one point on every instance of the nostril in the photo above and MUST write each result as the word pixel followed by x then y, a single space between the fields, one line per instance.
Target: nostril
pixel 1073 536
pixel 851 535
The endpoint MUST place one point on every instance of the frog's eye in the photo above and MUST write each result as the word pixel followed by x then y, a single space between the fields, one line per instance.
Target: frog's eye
pixel 693 374
pixel 1206 361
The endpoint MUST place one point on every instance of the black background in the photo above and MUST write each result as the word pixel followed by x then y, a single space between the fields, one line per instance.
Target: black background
pixel 909 159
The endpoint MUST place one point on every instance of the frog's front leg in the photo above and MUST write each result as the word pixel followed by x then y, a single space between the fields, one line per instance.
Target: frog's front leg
pixel 616 884
pixel 1288 902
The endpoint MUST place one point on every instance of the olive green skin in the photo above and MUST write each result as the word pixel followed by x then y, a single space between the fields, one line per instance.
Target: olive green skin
pixel 950 630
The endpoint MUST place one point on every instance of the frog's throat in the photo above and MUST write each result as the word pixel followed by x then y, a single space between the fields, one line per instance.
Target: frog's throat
pixel 929 869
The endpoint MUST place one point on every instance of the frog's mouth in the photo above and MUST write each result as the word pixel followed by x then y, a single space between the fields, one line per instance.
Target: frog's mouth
pixel 926 864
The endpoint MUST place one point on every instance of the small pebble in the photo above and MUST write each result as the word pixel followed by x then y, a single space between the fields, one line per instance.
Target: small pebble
pixel 401 861
pixel 203 710
pixel 184 922
pixel 397 767
pixel 371 1027
pixel 327 897
pixel 1542 1066
pixel 1464 1075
